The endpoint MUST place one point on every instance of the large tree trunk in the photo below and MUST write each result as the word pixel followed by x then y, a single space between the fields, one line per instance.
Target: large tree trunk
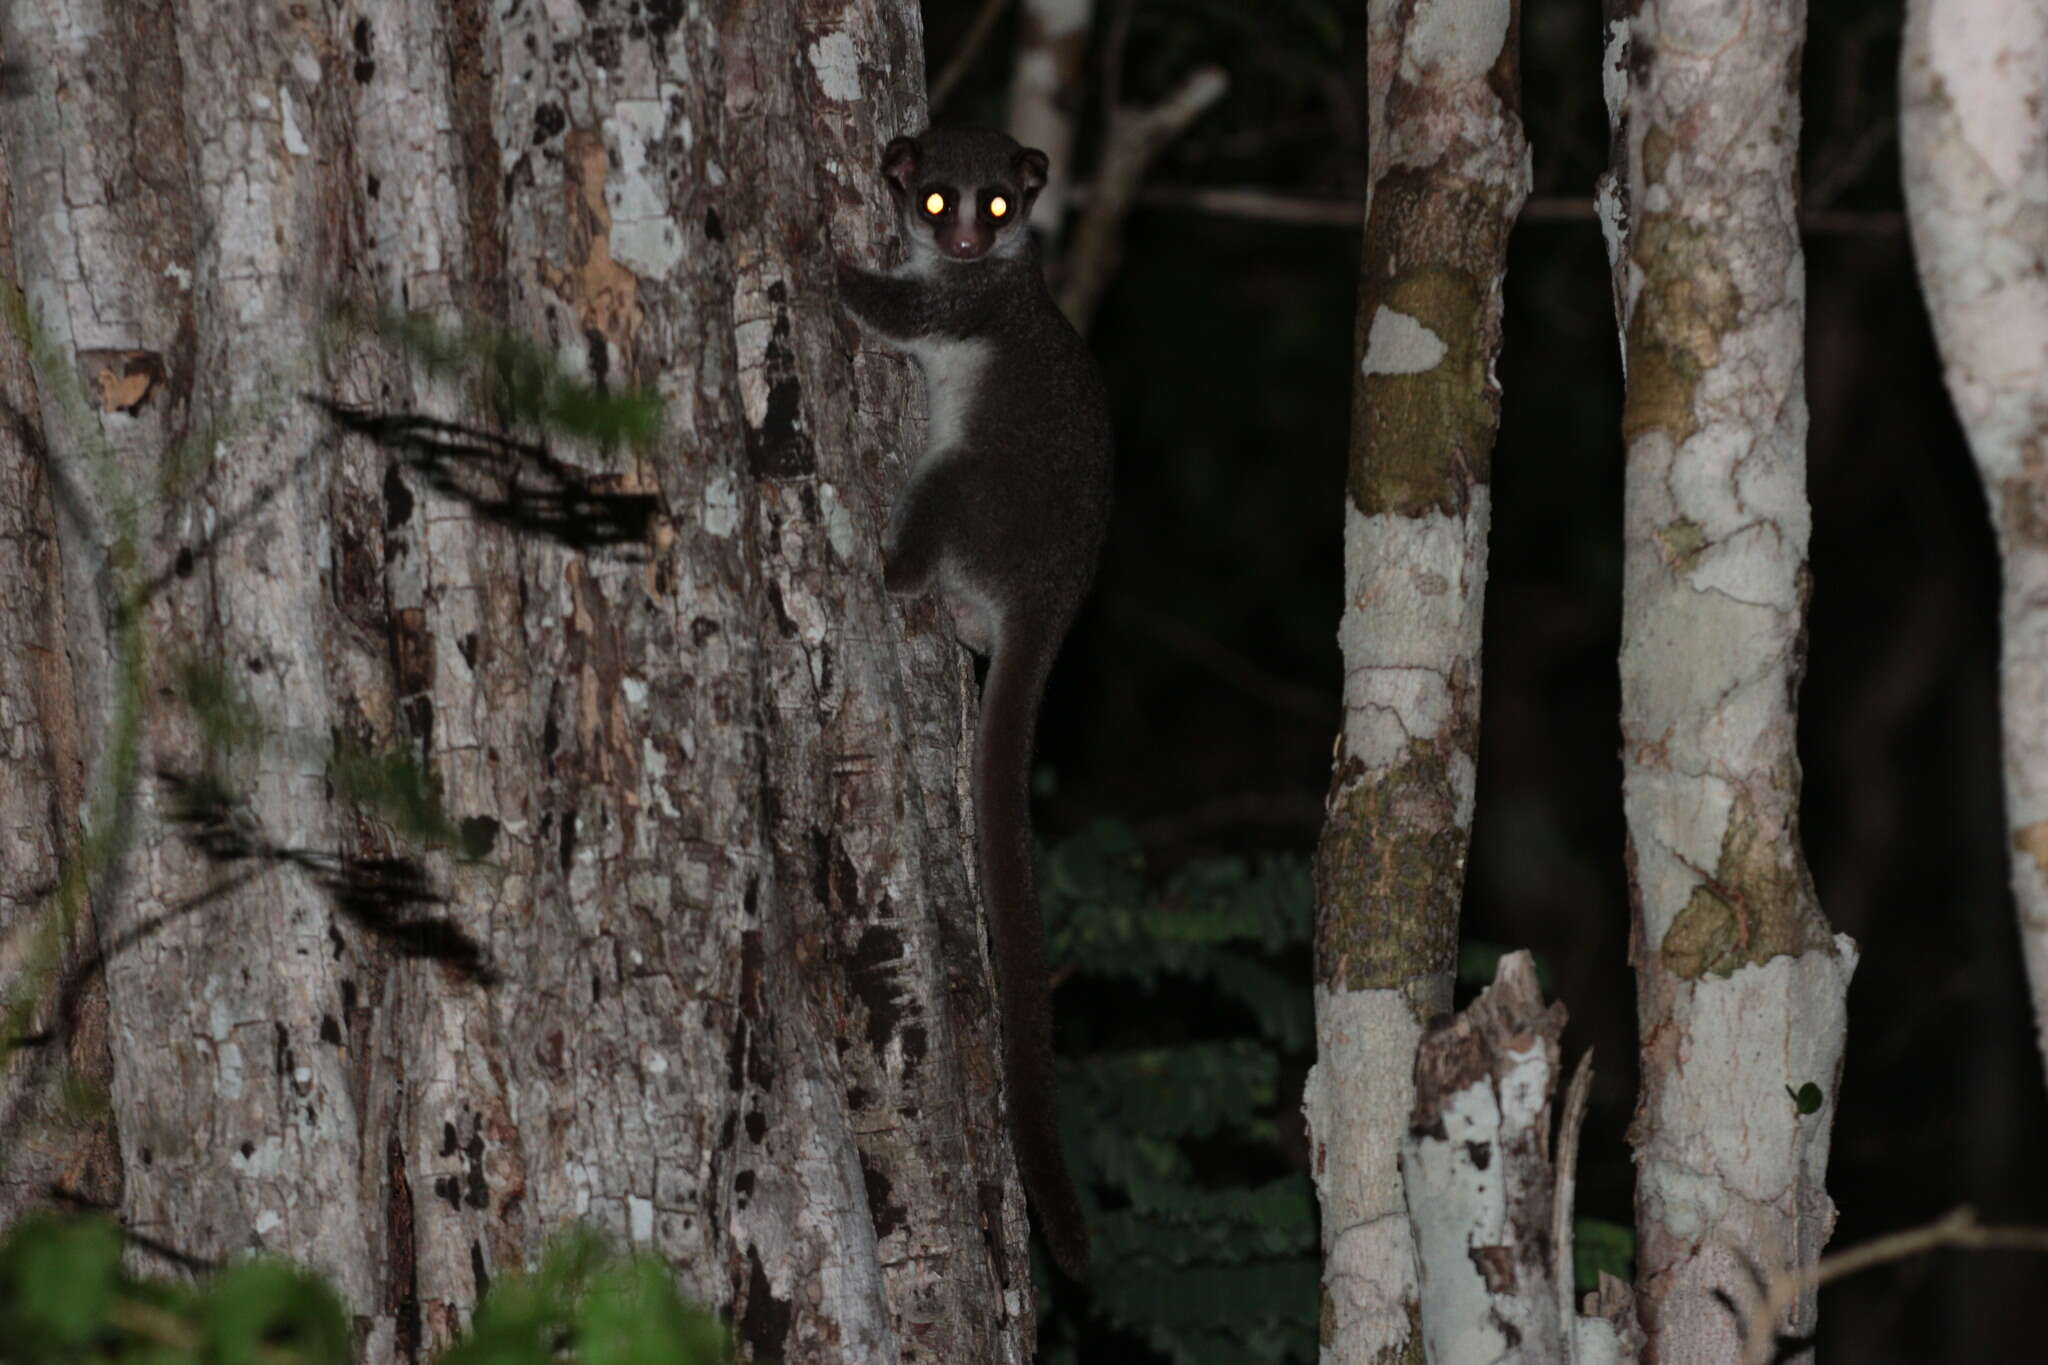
pixel 1741 989
pixel 1449 169
pixel 733 1005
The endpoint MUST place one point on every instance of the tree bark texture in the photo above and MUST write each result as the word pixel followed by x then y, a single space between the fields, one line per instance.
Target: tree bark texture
pixel 1448 172
pixel 1974 136
pixel 740 1013
pixel 41 788
pixel 1741 987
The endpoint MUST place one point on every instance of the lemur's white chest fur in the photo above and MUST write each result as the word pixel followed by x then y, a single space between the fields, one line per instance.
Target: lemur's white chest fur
pixel 952 373
pixel 952 369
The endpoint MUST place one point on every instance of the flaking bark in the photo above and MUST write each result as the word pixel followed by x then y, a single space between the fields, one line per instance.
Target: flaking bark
pixel 1448 172
pixel 1477 1166
pixel 740 1012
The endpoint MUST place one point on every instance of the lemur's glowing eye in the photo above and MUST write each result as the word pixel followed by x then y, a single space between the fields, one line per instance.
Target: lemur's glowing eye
pixel 998 206
pixel 935 203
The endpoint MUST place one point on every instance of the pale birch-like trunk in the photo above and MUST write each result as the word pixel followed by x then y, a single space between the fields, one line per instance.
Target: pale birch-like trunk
pixel 1973 130
pixel 1741 987
pixel 742 1013
pixel 1448 171
pixel 1045 95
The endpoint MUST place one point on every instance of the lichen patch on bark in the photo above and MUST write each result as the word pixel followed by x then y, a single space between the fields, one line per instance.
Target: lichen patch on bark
pixel 1422 435
pixel 1687 301
pixel 1392 851
pixel 1756 904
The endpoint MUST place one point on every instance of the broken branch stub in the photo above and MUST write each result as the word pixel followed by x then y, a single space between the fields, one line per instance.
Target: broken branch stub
pixel 1478 1171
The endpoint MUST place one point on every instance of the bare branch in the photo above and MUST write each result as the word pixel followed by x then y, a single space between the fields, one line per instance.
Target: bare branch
pixel 1958 1228
pixel 1272 206
pixel 1310 704
pixel 1564 1195
pixel 970 47
pixel 1135 137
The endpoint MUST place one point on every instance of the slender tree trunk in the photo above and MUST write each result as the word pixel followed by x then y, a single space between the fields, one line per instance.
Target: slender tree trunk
pixel 735 1008
pixel 1975 141
pixel 1741 988
pixel 1449 169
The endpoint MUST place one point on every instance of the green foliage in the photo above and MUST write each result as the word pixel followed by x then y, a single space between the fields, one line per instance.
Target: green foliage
pixel 585 1306
pixel 64 1297
pixel 260 1312
pixel 1218 924
pixel 522 383
pixel 1807 1099
pixel 65 1300
pixel 391 783
pixel 229 724
pixel 1601 1247
pixel 57 1283
pixel 1205 1229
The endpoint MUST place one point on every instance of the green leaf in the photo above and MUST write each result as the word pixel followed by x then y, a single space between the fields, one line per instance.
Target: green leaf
pixel 270 1313
pixel 1598 1247
pixel 58 1279
pixel 1221 1313
pixel 526 384
pixel 1807 1099
pixel 1176 1226
pixel 1180 1092
pixel 632 1316
pixel 407 794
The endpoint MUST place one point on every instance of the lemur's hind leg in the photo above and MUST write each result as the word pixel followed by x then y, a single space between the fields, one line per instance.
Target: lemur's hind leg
pixel 922 556
pixel 914 551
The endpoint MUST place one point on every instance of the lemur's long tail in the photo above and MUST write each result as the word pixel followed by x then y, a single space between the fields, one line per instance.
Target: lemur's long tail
pixel 1017 672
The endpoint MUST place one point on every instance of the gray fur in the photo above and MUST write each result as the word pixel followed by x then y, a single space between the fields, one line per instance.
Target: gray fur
pixel 1004 516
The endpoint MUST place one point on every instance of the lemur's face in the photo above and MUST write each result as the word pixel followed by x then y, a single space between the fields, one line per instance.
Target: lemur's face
pixel 963 193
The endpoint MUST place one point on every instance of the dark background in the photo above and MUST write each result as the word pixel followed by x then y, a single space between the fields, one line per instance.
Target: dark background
pixel 1198 699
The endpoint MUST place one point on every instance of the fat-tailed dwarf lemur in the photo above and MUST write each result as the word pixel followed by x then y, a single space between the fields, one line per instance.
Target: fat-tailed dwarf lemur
pixel 1003 516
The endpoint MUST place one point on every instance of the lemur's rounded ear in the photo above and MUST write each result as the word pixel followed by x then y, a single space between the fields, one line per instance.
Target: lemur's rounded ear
pixel 899 163
pixel 1032 167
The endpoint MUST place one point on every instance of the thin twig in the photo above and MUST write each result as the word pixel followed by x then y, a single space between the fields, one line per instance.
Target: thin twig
pixel 1288 811
pixel 1846 169
pixel 1309 704
pixel 1116 40
pixel 1564 1194
pixel 963 56
pixel 1958 1228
